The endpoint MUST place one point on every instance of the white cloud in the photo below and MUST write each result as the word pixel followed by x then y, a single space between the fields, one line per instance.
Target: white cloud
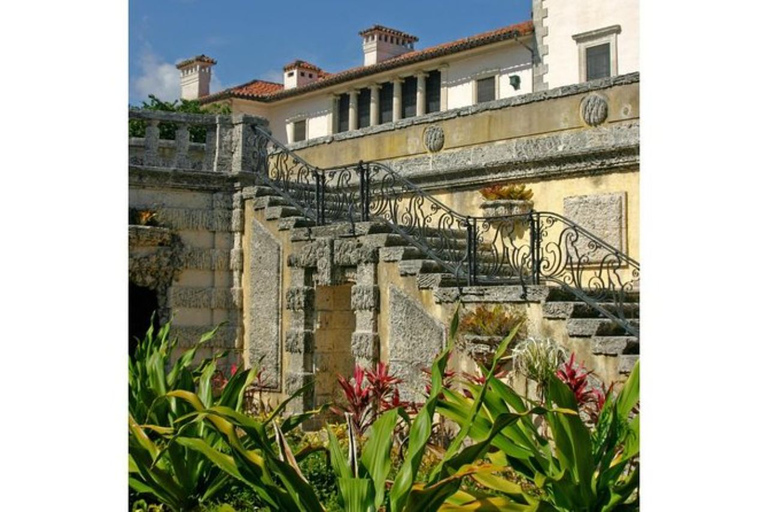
pixel 156 77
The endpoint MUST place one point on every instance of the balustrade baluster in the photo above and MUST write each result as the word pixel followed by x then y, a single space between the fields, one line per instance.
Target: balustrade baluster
pixel 181 158
pixel 209 158
pixel 151 142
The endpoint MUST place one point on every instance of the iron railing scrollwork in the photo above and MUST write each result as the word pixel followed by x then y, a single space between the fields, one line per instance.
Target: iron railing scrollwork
pixel 534 248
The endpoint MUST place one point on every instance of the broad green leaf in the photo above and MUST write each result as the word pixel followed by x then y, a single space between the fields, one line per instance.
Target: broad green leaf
pixel 376 453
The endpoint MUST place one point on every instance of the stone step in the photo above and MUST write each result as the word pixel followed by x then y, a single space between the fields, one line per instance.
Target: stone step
pixel 627 363
pixel 340 230
pixel 265 201
pixel 279 212
pixel 288 223
pixel 563 310
pixel 615 345
pixel 557 294
pixel 394 254
pixel 415 267
pixel 588 327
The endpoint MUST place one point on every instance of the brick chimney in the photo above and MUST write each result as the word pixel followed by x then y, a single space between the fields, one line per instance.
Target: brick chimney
pixel 382 43
pixel 195 77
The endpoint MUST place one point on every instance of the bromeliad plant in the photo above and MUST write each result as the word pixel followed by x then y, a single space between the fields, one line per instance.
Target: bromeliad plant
pixel 517 192
pixel 569 466
pixel 369 394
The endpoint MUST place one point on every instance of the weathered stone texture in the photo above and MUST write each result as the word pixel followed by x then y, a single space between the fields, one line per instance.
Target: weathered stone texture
pixel 365 345
pixel 299 298
pixel 224 338
pixel 365 298
pixel 415 338
pixel 264 287
pixel 299 342
pixel 353 252
pixel 604 216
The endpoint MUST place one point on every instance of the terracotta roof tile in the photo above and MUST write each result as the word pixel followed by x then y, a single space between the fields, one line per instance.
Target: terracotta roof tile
pixel 493 36
pixel 254 89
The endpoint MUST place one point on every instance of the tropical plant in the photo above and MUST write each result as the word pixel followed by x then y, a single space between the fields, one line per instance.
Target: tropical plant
pixel 537 359
pixel 496 321
pixel 159 467
pixel 512 191
pixel 589 398
pixel 363 474
pixel 564 465
pixel 369 394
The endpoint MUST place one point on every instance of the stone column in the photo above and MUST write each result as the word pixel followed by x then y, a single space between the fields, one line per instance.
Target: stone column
pixel 353 109
pixel 421 94
pixel 397 99
pixel 375 104
pixel 334 124
pixel 180 159
pixel 365 304
pixel 151 142
pixel 299 340
pixel 289 128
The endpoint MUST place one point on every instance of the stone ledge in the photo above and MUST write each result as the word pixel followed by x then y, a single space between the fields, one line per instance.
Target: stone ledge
pixel 501 294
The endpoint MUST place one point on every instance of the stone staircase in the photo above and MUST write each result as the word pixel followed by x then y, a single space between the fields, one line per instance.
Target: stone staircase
pixel 582 321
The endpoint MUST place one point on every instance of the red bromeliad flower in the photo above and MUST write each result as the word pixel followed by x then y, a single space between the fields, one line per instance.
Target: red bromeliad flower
pixel 368 394
pixel 591 399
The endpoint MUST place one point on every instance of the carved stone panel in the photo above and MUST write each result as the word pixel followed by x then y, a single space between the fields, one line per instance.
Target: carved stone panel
pixel 415 339
pixel 604 215
pixel 264 287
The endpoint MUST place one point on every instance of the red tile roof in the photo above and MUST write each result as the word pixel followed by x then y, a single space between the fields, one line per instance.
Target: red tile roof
pixel 254 89
pixel 329 79
pixel 199 58
pixel 390 31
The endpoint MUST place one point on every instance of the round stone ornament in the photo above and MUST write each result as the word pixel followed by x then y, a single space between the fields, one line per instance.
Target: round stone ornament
pixel 594 109
pixel 434 138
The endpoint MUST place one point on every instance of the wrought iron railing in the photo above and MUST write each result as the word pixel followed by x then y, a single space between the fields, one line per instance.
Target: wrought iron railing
pixel 527 249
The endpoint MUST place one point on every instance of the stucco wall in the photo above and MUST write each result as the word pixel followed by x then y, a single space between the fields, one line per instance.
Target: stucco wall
pixel 459 76
pixel 566 18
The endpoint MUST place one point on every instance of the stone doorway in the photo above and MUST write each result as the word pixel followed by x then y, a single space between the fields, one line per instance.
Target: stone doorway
pixel 142 302
pixel 335 323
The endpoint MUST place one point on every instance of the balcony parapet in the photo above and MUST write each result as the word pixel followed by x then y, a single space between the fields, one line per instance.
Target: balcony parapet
pixel 228 147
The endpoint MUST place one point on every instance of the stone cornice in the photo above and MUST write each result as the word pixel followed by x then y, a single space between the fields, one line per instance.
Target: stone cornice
pixel 611 148
pixel 143 176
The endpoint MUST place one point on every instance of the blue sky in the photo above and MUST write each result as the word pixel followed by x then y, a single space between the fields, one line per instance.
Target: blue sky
pixel 255 39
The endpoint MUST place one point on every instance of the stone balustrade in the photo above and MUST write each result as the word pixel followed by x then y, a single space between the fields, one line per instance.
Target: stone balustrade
pixel 228 146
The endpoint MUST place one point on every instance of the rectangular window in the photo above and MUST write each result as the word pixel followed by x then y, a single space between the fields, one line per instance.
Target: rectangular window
pixel 386 95
pixel 598 61
pixel 343 113
pixel 300 130
pixel 433 91
pixel 486 89
pixel 409 96
pixel 364 108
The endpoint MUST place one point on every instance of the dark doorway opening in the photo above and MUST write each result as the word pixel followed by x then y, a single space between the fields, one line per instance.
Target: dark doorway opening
pixel 142 302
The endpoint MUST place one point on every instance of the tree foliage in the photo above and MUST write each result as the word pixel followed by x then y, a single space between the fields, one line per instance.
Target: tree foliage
pixel 137 127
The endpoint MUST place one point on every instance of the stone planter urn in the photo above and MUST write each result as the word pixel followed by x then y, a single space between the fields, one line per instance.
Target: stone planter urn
pixel 481 348
pixel 505 207
pixel 508 207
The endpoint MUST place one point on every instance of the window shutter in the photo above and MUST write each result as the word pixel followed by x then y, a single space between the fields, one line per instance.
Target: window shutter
pixel 599 61
pixel 364 108
pixel 486 89
pixel 343 113
pixel 300 130
pixel 409 96
pixel 433 91
pixel 386 94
